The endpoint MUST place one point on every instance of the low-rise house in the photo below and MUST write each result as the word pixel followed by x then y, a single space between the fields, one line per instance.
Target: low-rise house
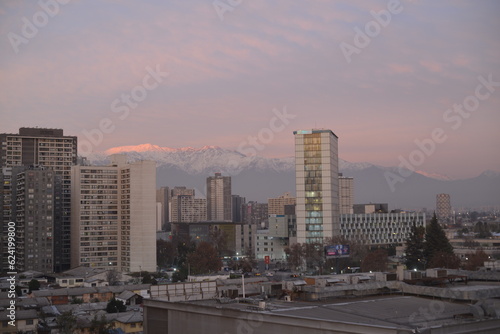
pixel 26 322
pixel 89 295
pixel 129 298
pixel 129 322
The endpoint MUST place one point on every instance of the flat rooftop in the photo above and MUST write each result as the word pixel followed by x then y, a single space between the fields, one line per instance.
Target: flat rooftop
pixel 396 312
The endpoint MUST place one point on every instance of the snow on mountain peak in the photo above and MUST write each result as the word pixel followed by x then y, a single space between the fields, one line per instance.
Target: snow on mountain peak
pixel 208 159
pixel 435 176
pixel 137 148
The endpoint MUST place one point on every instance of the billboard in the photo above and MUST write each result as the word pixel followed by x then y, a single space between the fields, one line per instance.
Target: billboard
pixel 337 251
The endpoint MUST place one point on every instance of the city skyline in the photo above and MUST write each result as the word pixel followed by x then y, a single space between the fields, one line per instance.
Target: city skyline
pixel 237 74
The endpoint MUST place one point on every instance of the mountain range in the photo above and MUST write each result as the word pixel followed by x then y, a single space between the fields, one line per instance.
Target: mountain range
pixel 259 178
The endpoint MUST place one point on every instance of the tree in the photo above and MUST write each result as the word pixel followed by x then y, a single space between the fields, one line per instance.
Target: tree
pixel 444 260
pixel 375 261
pixel 247 264
pixel 294 256
pixel 482 230
pixel 180 275
pixel 476 260
pixel 313 255
pixel 436 241
pixel 183 246
pixel 34 285
pixel 66 322
pixel 166 253
pixel 100 326
pixel 113 277
pixel 414 258
pixel 218 239
pixel 75 300
pixel 204 259
pixel 115 306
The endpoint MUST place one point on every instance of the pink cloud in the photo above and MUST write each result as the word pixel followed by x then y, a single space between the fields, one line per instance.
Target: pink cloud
pixel 400 68
pixel 431 65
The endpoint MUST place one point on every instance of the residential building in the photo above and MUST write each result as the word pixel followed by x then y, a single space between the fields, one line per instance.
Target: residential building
pixel 443 207
pixel 255 214
pixel 380 228
pixel 219 200
pixel 36 188
pixel 177 191
pixel 371 208
pixel 185 208
pixel 188 209
pixel 273 241
pixel 346 194
pixel 48 148
pixel 276 206
pixel 237 208
pixel 114 216
pixel 316 166
pixel 162 208
pixel 238 236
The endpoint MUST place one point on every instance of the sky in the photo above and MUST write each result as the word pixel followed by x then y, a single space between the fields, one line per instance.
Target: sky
pixel 399 82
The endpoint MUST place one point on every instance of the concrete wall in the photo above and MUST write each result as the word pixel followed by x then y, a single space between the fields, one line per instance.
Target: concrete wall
pixel 173 318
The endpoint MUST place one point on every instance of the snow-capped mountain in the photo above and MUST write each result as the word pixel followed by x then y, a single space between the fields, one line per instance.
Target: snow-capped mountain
pixel 197 160
pixel 259 178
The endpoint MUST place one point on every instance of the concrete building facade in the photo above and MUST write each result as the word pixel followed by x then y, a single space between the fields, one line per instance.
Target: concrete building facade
pixel 316 167
pixel 36 190
pixel 380 228
pixel 443 207
pixel 188 209
pixel 346 194
pixel 255 214
pixel 51 149
pixel 219 200
pixel 274 240
pixel 237 208
pixel 114 215
pixel 162 208
pixel 276 206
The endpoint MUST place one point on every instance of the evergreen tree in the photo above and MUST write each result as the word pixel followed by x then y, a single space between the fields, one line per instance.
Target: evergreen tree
pixel 34 285
pixel 436 241
pixel 115 306
pixel 66 322
pixel 415 248
pixel 100 325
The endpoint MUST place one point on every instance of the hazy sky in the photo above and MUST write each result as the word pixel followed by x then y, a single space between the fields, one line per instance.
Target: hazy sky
pixel 379 85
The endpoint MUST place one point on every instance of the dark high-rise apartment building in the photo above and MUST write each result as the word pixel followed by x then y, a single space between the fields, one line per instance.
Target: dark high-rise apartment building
pixel 219 200
pixel 48 148
pixel 237 210
pixel 36 190
pixel 162 209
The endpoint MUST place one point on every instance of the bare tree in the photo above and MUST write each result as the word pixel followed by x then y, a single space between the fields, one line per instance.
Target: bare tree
pixel 218 239
pixel 113 277
pixel 375 261
pixel 295 256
